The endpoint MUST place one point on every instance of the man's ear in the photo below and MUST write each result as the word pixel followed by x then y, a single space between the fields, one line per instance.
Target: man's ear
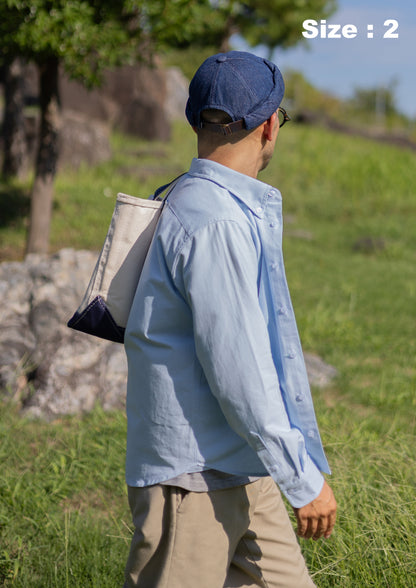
pixel 269 126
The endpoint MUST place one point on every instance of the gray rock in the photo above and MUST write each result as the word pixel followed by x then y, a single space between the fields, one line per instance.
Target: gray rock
pixel 131 99
pixel 47 367
pixel 52 370
pixel 177 94
pixel 83 140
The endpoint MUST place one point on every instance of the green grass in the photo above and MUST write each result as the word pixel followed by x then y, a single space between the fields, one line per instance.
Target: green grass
pixel 355 307
pixel 83 207
pixel 63 509
pixel 375 542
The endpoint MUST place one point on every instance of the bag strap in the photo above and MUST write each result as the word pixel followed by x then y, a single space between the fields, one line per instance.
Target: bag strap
pixel 161 189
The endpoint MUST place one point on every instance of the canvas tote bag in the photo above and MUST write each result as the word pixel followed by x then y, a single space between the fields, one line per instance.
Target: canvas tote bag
pixel 106 304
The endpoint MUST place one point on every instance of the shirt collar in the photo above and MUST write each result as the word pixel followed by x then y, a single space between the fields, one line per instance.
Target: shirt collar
pixel 251 191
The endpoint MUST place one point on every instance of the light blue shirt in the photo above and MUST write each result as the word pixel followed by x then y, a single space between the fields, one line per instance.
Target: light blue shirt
pixel 216 375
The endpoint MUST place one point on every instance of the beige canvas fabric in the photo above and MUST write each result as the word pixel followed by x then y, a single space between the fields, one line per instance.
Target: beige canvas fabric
pixel 238 537
pixel 121 260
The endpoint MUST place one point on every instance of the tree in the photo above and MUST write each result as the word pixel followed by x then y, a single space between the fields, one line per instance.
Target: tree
pixel 271 23
pixel 83 37
pixel 379 101
pixel 15 147
pixel 86 36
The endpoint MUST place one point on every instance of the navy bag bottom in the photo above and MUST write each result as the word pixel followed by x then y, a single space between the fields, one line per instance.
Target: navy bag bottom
pixel 96 320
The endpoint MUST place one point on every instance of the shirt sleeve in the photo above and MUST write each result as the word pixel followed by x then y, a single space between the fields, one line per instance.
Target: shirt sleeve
pixel 220 272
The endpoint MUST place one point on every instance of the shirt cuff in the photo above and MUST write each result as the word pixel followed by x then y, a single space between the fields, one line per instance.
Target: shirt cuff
pixel 305 489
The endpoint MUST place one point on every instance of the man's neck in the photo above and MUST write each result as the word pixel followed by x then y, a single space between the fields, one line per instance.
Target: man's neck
pixel 247 156
pixel 243 167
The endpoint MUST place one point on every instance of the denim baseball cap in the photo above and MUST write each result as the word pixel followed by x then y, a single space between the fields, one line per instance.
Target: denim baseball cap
pixel 248 88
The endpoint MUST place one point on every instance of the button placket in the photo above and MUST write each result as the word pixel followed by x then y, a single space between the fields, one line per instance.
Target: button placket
pixel 283 331
pixel 271 216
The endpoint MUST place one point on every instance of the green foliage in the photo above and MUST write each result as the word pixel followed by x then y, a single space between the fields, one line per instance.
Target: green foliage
pixel 379 100
pixel 180 23
pixel 84 36
pixel 301 95
pixel 188 60
pixel 87 35
pixel 270 23
pixel 369 109
pixel 274 22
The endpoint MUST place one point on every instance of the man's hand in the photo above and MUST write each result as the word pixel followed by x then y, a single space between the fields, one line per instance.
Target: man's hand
pixel 317 519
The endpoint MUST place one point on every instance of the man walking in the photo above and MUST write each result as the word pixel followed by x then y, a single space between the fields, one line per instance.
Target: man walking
pixel 220 414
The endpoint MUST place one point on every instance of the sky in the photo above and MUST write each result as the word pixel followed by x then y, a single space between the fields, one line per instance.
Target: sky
pixel 367 60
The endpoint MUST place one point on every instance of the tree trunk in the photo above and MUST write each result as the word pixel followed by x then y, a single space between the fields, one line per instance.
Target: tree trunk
pixel 47 158
pixel 229 29
pixel 15 161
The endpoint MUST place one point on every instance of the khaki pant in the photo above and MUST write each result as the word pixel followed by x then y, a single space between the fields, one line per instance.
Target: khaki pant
pixel 238 537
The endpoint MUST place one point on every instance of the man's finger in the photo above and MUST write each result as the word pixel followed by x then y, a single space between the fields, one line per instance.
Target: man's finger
pixel 331 525
pixel 312 528
pixel 322 528
pixel 302 525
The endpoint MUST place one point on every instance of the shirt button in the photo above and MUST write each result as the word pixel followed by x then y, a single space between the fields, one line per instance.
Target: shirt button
pixel 311 434
pixel 281 310
pixel 272 225
pixel 291 355
pixel 273 266
pixel 299 398
pixel 259 209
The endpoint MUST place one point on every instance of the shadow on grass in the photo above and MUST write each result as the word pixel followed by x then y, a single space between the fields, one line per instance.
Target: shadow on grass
pixel 14 204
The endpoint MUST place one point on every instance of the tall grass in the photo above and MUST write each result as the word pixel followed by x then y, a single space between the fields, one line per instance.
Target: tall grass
pixel 63 508
pixel 350 250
